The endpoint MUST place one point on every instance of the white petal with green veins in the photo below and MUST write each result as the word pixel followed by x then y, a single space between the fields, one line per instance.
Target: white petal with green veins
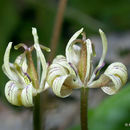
pixel 27 96
pixel 89 59
pixel 12 93
pixel 54 71
pixel 104 44
pixel 72 52
pixel 21 61
pixel 61 60
pixel 114 86
pixel 62 77
pixel 59 88
pixel 119 70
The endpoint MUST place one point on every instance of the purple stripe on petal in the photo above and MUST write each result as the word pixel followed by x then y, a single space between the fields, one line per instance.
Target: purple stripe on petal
pixel 10 88
pixel 28 76
pixel 27 93
pixel 100 68
pixel 49 63
pixel 72 67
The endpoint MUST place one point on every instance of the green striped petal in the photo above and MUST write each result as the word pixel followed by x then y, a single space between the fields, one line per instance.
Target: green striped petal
pixel 118 69
pixel 19 96
pixel 89 60
pixel 60 88
pixel 104 44
pixel 21 61
pixel 27 96
pixel 62 78
pixel 12 93
pixel 112 80
pixel 63 85
pixel 117 72
pixel 61 60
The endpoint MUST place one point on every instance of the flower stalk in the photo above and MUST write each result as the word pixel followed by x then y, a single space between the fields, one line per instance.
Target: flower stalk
pixel 37 113
pixel 84 108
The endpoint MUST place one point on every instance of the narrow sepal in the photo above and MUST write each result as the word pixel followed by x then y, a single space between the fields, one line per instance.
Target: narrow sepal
pixel 89 60
pixel 41 57
pixel 21 61
pixel 73 51
pixel 104 44
pixel 101 62
pixel 6 64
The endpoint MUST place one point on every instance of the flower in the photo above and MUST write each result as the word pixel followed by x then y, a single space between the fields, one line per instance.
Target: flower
pixel 76 69
pixel 24 82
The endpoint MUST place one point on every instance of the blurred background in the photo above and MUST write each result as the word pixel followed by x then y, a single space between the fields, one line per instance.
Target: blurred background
pixel 17 17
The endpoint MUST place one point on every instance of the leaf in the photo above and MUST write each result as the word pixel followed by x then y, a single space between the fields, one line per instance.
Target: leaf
pixel 113 113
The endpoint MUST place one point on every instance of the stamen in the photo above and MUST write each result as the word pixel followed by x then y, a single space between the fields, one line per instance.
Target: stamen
pixel 45 48
pixel 21 45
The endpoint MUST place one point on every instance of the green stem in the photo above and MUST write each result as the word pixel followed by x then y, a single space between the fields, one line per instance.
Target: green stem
pixel 84 109
pixel 36 113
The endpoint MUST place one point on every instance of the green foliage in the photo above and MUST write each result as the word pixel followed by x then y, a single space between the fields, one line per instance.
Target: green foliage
pixel 8 22
pixel 112 114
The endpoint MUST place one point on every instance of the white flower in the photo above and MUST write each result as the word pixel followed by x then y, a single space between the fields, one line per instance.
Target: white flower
pixel 76 69
pixel 20 89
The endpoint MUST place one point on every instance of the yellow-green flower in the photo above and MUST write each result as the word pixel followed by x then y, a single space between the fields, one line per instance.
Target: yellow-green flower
pixel 76 69
pixel 24 82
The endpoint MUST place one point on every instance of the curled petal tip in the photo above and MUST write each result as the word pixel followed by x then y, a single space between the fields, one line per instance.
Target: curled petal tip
pixel 20 45
pixel 34 30
pixel 45 48
pixel 10 43
pixel 100 30
pixel 88 40
pixel 48 50
pixel 117 72
pixel 81 29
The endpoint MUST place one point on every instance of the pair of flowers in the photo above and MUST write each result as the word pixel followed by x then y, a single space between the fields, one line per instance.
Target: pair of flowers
pixel 64 74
